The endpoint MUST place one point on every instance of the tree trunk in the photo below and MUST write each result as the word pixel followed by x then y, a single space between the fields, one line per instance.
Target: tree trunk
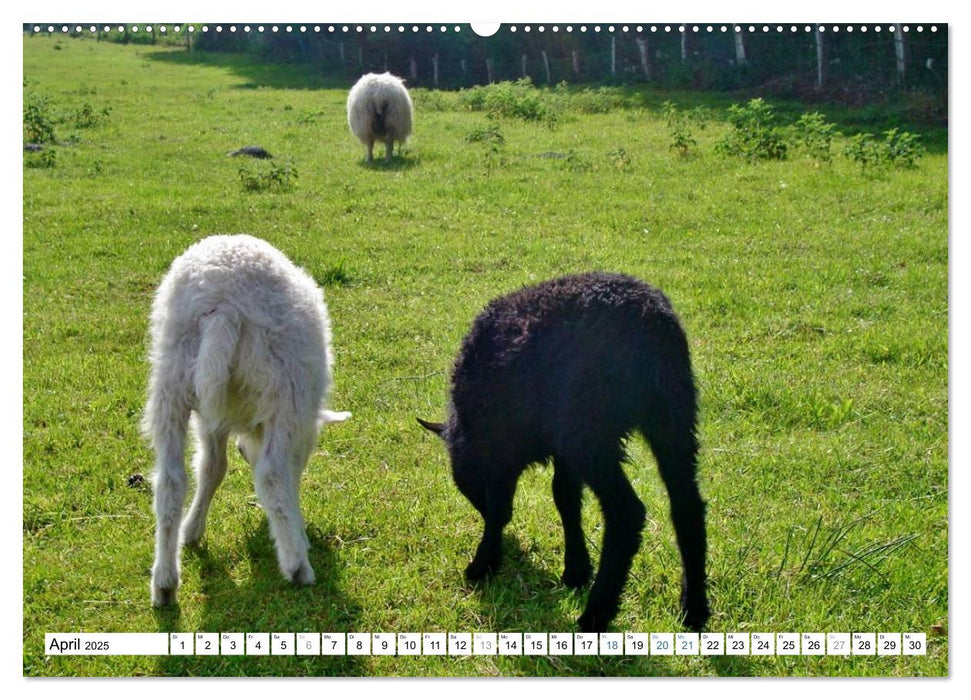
pixel 739 49
pixel 435 69
pixel 489 70
pixel 524 65
pixel 642 50
pixel 613 55
pixel 546 67
pixel 412 68
pixel 575 55
pixel 900 49
pixel 820 59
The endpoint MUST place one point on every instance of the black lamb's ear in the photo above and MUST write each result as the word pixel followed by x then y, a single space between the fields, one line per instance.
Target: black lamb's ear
pixel 436 428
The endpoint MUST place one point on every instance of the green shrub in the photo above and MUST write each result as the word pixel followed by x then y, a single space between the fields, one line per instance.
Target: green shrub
pixel 903 148
pixel 678 121
pixel 754 134
pixel 519 99
pixel 279 176
pixel 41 159
pixel 898 149
pixel 487 134
pixel 87 116
pixel 815 135
pixel 39 119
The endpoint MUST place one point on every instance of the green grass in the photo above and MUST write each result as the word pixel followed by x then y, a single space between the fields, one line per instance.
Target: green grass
pixel 815 300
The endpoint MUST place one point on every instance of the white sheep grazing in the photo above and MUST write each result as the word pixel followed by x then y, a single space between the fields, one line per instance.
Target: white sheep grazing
pixel 240 338
pixel 379 108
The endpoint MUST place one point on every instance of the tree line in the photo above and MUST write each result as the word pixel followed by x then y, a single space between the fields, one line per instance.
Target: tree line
pixel 674 56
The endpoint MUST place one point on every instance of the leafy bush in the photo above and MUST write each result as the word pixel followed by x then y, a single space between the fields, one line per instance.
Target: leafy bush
pixel 903 148
pixel 864 149
pixel 487 134
pixel 899 149
pixel 754 134
pixel 679 123
pixel 279 176
pixel 39 120
pixel 815 134
pixel 87 116
pixel 41 159
pixel 519 99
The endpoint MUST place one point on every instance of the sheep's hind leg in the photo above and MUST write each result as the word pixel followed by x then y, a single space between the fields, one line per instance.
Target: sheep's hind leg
pixel 276 487
pixel 388 148
pixel 567 494
pixel 498 512
pixel 624 517
pixel 677 464
pixel 210 467
pixel 169 484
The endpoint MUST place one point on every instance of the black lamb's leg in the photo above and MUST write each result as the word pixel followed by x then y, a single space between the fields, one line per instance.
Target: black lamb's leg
pixel 624 517
pixel 498 512
pixel 567 494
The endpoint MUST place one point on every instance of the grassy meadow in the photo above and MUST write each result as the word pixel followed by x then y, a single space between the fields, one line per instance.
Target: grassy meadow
pixel 814 294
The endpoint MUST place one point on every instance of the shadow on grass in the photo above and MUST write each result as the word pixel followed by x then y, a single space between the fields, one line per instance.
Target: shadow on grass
pixel 255 74
pixel 398 163
pixel 266 602
pixel 523 598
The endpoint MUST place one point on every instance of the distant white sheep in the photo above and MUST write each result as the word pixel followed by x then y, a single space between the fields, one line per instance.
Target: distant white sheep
pixel 240 339
pixel 379 108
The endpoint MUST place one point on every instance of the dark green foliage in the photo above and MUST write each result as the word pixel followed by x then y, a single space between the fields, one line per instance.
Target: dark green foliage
pixel 515 99
pixel 754 134
pixel 898 149
pixel 86 116
pixel 487 134
pixel 278 176
pixel 46 158
pixel 39 119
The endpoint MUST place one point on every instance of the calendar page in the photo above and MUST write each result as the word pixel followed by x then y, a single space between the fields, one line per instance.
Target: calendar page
pixel 527 349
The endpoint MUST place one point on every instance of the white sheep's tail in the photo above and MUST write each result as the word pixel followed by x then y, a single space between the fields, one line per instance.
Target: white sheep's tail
pixel 219 336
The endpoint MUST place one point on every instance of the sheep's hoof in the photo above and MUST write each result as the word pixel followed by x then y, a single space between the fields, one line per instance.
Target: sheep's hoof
pixel 304 575
pixel 476 571
pixel 577 577
pixel 192 534
pixel 164 596
pixel 696 615
pixel 592 622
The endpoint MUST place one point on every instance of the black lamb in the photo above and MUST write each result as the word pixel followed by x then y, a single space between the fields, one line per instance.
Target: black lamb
pixel 565 370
